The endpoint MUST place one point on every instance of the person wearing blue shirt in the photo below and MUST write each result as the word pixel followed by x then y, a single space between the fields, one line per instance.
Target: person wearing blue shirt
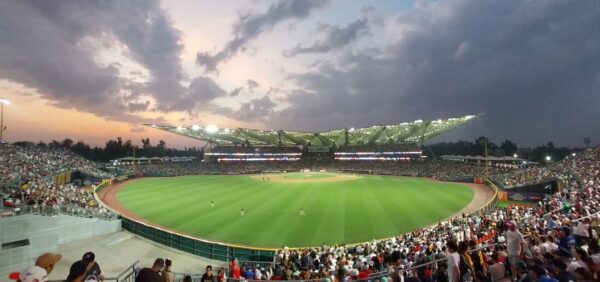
pixel 249 274
pixel 566 241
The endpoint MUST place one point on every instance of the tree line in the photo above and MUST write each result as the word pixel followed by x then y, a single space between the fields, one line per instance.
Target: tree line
pixel 114 149
pixel 506 148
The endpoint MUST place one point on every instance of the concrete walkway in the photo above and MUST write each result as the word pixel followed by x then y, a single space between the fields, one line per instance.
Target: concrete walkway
pixel 116 251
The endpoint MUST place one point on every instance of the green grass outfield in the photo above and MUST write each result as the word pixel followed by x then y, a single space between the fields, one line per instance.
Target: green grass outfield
pixel 351 211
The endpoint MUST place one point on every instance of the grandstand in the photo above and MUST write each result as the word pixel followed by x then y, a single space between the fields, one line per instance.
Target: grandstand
pixel 560 229
pixel 378 142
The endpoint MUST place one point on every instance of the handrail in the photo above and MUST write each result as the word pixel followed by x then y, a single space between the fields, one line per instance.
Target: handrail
pixel 132 266
pixel 587 216
pixel 443 259
pixel 128 270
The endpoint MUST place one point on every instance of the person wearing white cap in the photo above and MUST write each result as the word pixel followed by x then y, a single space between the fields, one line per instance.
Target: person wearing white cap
pixel 515 246
pixel 44 264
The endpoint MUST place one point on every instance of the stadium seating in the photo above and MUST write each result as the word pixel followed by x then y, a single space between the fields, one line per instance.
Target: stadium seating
pixel 560 233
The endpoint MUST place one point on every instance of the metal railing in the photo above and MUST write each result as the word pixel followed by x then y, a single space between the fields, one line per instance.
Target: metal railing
pixel 127 275
pixel 71 209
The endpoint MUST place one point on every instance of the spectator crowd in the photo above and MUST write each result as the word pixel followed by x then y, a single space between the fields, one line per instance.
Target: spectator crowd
pixel 27 183
pixel 553 240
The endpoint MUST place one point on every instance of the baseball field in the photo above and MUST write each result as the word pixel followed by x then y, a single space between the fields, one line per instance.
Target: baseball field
pixel 292 209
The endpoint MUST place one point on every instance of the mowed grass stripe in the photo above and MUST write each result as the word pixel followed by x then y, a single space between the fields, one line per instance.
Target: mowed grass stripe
pixel 371 207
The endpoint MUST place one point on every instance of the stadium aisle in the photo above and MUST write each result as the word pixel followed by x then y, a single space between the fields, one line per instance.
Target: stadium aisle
pixel 114 252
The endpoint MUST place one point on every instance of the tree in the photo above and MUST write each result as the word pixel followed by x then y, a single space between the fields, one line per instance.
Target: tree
pixel 54 144
pixel 146 143
pixel 67 143
pixel 587 141
pixel 509 147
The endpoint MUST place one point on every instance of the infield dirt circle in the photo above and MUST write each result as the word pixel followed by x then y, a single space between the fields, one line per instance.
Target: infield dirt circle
pixel 338 208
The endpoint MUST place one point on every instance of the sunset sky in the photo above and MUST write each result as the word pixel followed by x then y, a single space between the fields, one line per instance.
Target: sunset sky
pixel 94 70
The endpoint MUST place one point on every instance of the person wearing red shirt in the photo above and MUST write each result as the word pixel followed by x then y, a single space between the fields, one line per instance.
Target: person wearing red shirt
pixel 364 274
pixel 235 269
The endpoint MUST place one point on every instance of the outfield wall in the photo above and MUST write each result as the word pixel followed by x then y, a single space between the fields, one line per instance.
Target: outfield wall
pixel 195 246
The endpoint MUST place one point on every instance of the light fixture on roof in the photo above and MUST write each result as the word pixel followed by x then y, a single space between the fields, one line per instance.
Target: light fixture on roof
pixel 211 128
pixel 195 127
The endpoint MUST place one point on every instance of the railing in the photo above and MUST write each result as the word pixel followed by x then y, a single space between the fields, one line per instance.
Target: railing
pixel 127 275
pixel 71 209
pixel 491 204
pixel 373 277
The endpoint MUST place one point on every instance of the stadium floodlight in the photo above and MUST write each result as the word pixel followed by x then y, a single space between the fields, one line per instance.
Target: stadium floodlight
pixel 4 101
pixel 211 128
pixel 195 127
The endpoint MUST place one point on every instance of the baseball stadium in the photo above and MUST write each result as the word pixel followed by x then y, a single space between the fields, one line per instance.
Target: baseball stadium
pixel 300 141
pixel 287 205
pixel 339 206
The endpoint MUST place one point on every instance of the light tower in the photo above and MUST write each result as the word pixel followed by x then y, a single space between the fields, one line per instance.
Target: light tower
pixel 2 103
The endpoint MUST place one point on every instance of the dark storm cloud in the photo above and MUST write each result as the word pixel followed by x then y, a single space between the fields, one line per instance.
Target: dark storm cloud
pixel 255 110
pixel 532 67
pixel 236 91
pixel 336 37
pixel 248 27
pixel 51 46
pixel 201 89
pixel 252 84
pixel 138 107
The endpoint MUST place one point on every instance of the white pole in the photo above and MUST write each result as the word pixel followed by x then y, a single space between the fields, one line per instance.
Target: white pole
pixel 1 121
pixel 2 103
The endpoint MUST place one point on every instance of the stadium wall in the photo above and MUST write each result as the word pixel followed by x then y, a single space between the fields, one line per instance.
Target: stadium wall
pixel 24 237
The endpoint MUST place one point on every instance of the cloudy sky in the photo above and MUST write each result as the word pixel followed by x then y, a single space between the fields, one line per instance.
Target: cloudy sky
pixel 93 70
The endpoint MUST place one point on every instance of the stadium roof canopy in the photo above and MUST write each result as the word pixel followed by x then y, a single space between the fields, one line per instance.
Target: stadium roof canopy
pixel 407 132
